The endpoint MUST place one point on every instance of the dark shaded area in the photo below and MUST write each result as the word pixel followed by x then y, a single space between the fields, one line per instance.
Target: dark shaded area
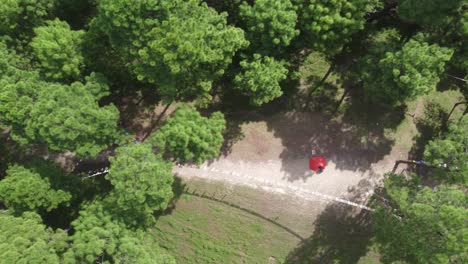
pixel 431 125
pixel 77 13
pixel 178 187
pixel 350 144
pixel 232 134
pixel 323 98
pixel 90 165
pixel 80 190
pixel 341 235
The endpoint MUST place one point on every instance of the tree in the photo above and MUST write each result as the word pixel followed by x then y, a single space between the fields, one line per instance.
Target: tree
pixel 9 12
pixel 142 181
pixel 270 24
pixel 66 117
pixel 19 17
pixel 330 24
pixel 394 76
pixel 26 240
pixel 58 49
pixel 25 190
pixel 187 136
pixel 451 150
pixel 422 225
pixel 182 46
pixel 18 91
pixel 99 234
pixel 260 79
pixel 430 13
pixel 10 62
pixel 70 118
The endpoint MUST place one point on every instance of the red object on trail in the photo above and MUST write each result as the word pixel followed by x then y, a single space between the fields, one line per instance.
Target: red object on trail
pixel 317 164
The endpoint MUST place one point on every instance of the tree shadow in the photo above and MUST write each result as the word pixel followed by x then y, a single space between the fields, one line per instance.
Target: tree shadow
pixel 342 235
pixel 178 188
pixel 232 134
pixel 353 140
pixel 324 98
pixel 430 126
pixel 348 146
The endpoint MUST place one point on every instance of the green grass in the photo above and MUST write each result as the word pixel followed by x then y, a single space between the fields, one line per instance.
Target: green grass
pixel 203 231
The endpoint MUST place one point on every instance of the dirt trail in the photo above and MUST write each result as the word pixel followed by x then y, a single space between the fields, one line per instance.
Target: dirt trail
pixel 273 156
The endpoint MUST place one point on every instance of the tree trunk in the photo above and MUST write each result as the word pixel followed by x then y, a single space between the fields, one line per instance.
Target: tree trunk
pixel 139 101
pixel 453 109
pixel 324 78
pixel 341 100
pixel 153 125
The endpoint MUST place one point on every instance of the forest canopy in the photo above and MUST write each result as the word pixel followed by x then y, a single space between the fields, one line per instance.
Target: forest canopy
pixel 101 99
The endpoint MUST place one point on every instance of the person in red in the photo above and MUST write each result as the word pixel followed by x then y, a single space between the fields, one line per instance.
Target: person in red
pixel 317 164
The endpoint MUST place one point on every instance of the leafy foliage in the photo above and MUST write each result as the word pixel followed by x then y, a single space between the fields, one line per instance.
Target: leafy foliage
pixel 182 46
pixel 451 150
pixel 270 24
pixel 260 79
pixel 99 233
pixel 432 13
pixel 187 136
pixel 64 117
pixel 426 225
pixel 19 17
pixel 25 190
pixel 142 181
pixel 400 75
pixel 10 62
pixel 9 13
pixel 26 240
pixel 58 49
pixel 69 117
pixel 330 23
pixel 18 91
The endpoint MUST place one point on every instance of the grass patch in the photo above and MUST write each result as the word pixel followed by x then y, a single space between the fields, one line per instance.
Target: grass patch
pixel 204 231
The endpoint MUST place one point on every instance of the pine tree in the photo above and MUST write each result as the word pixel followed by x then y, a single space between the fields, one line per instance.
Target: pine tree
pixel 26 190
pixel 187 136
pixel 58 49
pixel 260 79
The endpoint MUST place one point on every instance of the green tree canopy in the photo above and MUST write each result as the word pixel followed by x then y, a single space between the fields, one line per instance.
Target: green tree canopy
pixel 330 23
pixel 451 150
pixel 58 49
pixel 18 91
pixel 100 234
pixel 64 117
pixel 421 225
pixel 187 136
pixel 270 24
pixel 142 181
pixel 70 118
pixel 19 17
pixel 260 79
pixel 395 75
pixel 26 240
pixel 430 13
pixel 26 190
pixel 182 46
pixel 10 62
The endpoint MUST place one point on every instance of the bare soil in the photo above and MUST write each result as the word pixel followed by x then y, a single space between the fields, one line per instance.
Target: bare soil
pixel 273 156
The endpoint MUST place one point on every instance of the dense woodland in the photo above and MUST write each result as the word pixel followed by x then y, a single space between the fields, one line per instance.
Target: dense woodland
pixel 66 68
